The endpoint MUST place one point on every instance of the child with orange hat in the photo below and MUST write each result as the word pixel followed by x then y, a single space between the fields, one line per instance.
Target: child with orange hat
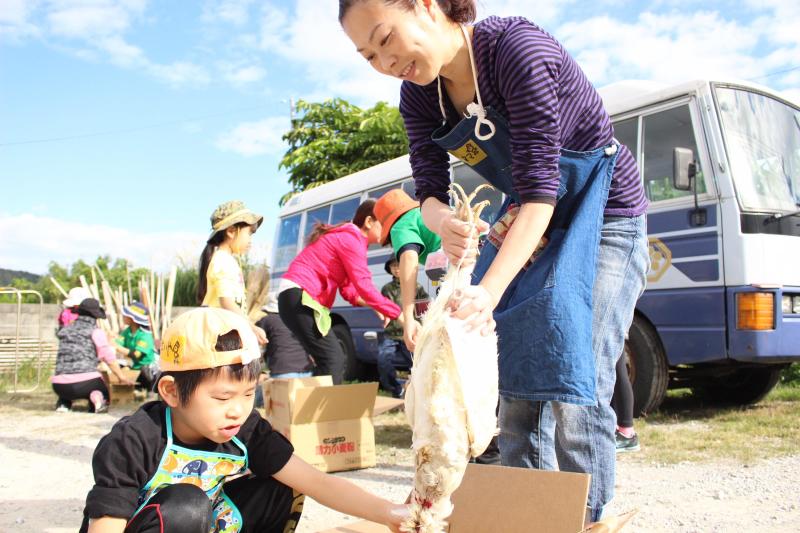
pixel 201 458
pixel 402 227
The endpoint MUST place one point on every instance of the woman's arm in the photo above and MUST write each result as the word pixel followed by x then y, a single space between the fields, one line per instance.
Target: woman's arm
pixel 518 246
pixel 353 256
pixel 340 494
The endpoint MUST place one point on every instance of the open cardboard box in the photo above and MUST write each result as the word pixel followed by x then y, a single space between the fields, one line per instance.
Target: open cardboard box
pixel 117 392
pixel 509 500
pixel 329 426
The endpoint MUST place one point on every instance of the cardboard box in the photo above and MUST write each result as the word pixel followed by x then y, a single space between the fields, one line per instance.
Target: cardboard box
pixel 117 392
pixel 509 500
pixel 329 426
pixel 384 404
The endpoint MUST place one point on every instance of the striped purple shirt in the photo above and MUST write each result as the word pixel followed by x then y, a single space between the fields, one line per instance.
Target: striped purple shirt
pixel 528 77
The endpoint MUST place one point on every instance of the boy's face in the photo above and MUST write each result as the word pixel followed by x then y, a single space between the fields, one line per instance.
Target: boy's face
pixel 394 268
pixel 216 410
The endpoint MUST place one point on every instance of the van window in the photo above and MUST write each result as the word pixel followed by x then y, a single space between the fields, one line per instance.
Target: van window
pixel 627 132
pixel 319 214
pixel 664 131
pixel 469 180
pixel 288 233
pixel 377 193
pixel 410 188
pixel 344 210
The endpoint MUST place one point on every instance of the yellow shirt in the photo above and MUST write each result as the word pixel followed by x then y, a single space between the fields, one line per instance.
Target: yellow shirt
pixel 224 280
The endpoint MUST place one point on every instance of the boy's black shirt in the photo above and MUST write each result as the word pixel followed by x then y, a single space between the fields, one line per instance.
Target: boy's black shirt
pixel 128 456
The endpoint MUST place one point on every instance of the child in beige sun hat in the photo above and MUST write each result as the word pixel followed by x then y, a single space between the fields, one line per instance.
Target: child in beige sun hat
pixel 220 280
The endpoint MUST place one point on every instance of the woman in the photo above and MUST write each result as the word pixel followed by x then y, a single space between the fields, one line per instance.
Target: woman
pixel 220 279
pixel 70 312
pixel 81 346
pixel 537 130
pixel 335 258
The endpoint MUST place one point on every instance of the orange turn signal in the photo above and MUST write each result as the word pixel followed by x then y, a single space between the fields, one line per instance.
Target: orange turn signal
pixel 755 310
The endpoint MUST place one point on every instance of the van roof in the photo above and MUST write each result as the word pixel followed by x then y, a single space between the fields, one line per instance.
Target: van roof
pixel 629 95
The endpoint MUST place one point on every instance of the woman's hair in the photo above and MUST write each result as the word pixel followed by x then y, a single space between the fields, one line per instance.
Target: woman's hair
pixel 187 381
pixel 366 209
pixel 460 11
pixel 205 259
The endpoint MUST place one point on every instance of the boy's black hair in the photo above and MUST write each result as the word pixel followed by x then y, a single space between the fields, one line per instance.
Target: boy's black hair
pixel 187 381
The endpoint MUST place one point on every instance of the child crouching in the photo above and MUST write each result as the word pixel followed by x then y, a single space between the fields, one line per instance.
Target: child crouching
pixel 169 466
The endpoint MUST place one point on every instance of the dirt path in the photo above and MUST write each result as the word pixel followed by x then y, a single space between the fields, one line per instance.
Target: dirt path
pixel 47 461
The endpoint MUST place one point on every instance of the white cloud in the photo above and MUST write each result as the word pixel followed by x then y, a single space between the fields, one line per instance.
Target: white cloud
pixel 255 138
pixel 232 11
pixel 31 241
pixel 14 20
pixel 242 75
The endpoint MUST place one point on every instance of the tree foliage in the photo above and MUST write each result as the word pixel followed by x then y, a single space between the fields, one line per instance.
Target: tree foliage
pixel 334 138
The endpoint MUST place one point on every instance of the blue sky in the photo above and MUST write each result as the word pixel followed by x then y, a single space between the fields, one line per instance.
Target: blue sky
pixel 165 109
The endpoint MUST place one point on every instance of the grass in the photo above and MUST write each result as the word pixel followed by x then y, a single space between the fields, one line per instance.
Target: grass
pixel 26 376
pixel 686 429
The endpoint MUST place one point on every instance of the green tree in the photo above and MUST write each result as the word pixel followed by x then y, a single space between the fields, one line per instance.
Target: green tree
pixel 334 138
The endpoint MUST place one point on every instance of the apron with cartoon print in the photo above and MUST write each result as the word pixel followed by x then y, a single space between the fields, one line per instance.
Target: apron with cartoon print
pixel 544 318
pixel 207 470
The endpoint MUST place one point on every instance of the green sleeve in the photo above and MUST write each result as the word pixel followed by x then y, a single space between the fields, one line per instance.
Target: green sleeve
pixel 406 231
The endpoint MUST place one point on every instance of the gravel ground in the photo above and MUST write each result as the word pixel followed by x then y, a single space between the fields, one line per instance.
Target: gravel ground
pixel 47 461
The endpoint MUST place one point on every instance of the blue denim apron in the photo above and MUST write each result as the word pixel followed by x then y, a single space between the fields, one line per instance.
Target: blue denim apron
pixel 544 318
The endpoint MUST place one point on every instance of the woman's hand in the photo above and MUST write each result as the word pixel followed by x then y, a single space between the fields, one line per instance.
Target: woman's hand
pixel 474 304
pixel 383 318
pixel 261 335
pixel 460 239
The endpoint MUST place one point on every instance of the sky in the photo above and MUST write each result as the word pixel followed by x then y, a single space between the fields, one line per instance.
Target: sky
pixel 124 123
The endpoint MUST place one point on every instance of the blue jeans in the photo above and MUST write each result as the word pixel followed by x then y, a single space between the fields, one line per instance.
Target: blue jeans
pixel 574 438
pixel 391 353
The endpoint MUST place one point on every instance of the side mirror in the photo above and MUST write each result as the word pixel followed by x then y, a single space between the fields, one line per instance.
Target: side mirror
pixel 683 168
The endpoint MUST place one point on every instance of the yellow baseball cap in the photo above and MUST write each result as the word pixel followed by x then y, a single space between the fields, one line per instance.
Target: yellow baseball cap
pixel 189 342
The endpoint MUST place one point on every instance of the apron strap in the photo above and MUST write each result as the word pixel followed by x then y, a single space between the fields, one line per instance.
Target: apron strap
pixel 473 109
pixel 168 416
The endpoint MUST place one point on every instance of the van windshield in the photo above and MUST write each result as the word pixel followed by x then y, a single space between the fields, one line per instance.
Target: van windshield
pixel 762 137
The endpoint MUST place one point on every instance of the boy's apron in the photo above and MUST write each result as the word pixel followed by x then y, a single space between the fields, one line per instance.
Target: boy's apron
pixel 207 470
pixel 544 318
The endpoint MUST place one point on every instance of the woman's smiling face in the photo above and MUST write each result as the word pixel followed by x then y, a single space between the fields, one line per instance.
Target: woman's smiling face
pixel 396 41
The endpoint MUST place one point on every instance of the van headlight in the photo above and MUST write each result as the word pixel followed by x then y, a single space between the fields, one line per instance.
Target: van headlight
pixel 786 304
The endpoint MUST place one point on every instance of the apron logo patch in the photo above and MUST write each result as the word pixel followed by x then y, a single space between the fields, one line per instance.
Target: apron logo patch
pixel 470 153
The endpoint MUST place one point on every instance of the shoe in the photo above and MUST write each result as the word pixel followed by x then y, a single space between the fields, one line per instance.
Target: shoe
pixel 102 408
pixel 627 444
pixel 62 409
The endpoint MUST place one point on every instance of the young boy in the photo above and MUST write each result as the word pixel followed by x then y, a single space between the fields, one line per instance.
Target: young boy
pixel 170 467
pixel 392 350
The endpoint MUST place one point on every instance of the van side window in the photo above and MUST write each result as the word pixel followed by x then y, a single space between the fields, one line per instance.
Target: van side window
pixel 410 189
pixel 627 132
pixel 345 210
pixel 377 193
pixel 314 216
pixel 469 180
pixel 663 131
pixel 288 233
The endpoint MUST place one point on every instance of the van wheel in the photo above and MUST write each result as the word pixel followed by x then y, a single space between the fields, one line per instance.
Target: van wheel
pixel 353 368
pixel 647 367
pixel 745 386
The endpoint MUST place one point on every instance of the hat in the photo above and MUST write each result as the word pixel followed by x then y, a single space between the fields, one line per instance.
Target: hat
pixel 91 307
pixel 390 207
pixel 138 313
pixel 230 213
pixel 75 296
pixel 388 264
pixel 189 343
pixel 271 306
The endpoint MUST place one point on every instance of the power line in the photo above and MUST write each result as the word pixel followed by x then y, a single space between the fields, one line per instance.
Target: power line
pixel 130 130
pixel 777 72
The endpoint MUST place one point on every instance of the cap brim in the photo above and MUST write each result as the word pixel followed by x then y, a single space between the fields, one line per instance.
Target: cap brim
pixel 394 217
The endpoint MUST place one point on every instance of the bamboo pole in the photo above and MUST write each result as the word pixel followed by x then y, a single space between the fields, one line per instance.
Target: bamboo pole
pixel 125 300
pixel 103 321
pixel 100 271
pixel 111 311
pixel 173 276
pixel 95 289
pixel 161 303
pixel 128 276
pixel 59 287
pixel 143 296
pixel 157 301
pixel 153 325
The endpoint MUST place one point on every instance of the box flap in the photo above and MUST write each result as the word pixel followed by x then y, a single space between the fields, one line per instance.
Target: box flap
pixel 384 404
pixel 521 500
pixel 339 402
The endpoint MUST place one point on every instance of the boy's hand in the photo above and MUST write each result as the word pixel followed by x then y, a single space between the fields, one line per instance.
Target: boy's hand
pixel 397 514
pixel 261 335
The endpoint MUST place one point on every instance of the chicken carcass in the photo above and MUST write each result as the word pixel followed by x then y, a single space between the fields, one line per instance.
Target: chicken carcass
pixel 451 398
